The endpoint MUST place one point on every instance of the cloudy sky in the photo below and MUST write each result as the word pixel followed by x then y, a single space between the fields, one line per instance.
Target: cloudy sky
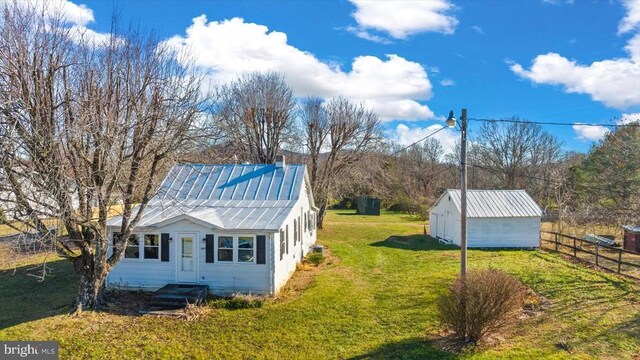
pixel 413 61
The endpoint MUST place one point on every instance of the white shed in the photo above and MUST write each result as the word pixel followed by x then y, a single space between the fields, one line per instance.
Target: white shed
pixel 235 228
pixel 495 218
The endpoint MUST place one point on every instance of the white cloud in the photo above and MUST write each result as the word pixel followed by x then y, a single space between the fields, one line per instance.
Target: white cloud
pixel 70 12
pixel 405 135
pixel 83 35
pixel 629 118
pixel 478 29
pixel 392 86
pixel 632 20
pixel 402 18
pixel 607 81
pixel 590 132
pixel 613 82
pixel 363 34
pixel 447 82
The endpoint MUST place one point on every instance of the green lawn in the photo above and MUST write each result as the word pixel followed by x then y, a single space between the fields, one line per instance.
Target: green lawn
pixel 376 301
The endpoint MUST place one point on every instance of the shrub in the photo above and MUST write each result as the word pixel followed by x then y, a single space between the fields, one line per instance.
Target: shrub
pixel 423 212
pixel 315 258
pixel 481 303
pixel 236 301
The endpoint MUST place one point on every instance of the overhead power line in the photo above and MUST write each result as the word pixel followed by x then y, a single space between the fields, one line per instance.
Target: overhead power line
pixel 415 142
pixel 514 121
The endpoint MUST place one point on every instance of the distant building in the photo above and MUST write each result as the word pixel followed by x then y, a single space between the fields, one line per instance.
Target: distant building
pixel 235 228
pixel 495 218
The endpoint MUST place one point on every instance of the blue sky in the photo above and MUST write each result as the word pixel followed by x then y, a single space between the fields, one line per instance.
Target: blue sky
pixel 413 61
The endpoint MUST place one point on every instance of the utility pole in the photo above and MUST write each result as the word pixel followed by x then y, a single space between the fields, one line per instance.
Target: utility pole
pixel 451 122
pixel 463 193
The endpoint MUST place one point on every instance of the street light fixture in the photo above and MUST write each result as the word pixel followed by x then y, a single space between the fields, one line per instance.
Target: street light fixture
pixel 451 122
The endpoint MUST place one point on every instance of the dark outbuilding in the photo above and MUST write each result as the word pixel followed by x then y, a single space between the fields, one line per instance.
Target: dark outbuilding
pixel 631 238
pixel 368 205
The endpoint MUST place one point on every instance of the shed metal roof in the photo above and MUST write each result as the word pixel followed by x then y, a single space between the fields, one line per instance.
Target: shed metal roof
pixel 230 197
pixel 496 203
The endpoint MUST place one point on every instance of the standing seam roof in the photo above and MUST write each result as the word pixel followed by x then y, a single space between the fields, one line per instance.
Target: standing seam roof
pixel 248 197
pixel 497 203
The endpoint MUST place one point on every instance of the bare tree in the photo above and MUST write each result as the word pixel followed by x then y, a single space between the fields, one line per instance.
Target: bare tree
pixel 83 123
pixel 338 133
pixel 515 155
pixel 255 113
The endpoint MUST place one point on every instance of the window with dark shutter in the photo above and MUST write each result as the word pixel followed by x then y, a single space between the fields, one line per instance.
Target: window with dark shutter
pixel 164 247
pixel 261 246
pixel 299 229
pixel 287 244
pixel 209 248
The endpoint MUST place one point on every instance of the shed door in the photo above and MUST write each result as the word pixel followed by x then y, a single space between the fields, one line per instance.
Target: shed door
pixel 187 257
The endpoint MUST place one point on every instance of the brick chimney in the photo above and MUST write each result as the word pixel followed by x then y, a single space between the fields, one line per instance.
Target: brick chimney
pixel 280 161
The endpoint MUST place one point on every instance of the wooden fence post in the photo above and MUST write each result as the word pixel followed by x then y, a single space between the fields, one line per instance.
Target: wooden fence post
pixel 619 260
pixel 597 254
pixel 575 251
pixel 556 242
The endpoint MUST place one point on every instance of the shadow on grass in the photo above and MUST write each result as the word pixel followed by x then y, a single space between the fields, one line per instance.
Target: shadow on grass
pixel 417 242
pixel 25 298
pixel 414 348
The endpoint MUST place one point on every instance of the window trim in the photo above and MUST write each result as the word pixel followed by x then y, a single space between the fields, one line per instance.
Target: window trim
pixel 217 247
pixel 236 247
pixel 144 235
pixel 254 248
pixel 141 247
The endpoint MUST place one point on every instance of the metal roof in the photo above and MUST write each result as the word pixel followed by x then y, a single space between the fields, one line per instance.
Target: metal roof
pixel 496 203
pixel 230 197
pixel 232 182
pixel 631 228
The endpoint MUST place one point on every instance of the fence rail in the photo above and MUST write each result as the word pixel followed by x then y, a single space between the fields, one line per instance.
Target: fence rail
pixel 614 259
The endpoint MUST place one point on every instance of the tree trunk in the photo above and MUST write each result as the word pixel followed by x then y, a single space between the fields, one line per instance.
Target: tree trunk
pixel 321 212
pixel 91 284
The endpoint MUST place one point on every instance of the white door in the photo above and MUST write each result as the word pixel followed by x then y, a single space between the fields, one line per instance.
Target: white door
pixel 187 257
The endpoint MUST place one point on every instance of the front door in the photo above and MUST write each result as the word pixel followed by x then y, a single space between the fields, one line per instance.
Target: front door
pixel 187 258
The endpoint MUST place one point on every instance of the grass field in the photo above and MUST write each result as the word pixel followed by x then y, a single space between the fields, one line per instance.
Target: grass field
pixel 377 300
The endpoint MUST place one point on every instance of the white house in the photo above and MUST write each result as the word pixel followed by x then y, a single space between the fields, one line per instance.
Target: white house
pixel 235 228
pixel 495 218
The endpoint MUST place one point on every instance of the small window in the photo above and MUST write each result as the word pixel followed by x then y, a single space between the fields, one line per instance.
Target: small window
pixel 133 248
pixel 151 246
pixel 225 248
pixel 246 246
pixel 306 222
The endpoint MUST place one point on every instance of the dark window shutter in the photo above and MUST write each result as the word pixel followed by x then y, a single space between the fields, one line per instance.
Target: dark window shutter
pixel 261 249
pixel 164 247
pixel 287 245
pixel 295 231
pixel 209 248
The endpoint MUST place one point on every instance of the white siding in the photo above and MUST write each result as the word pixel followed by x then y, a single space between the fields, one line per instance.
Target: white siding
pixel 518 232
pixel 503 232
pixel 287 266
pixel 221 277
pixel 444 220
